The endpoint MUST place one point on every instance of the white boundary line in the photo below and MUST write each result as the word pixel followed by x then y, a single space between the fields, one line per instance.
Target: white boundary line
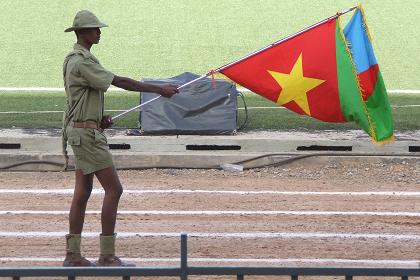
pixel 240 108
pixel 393 263
pixel 50 89
pixel 410 91
pixel 220 213
pixel 281 107
pixel 231 192
pixel 226 235
pixel 50 112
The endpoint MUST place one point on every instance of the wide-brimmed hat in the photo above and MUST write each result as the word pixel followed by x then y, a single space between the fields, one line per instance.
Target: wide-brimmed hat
pixel 85 19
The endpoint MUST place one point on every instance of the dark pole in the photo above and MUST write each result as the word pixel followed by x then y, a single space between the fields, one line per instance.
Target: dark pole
pixel 184 255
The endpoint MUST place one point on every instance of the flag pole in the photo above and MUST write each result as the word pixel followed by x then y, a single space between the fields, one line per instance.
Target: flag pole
pixel 134 108
pixel 155 98
pixel 286 38
pixel 242 58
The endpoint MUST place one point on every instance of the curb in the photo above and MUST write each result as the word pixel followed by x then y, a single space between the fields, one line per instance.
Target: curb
pixel 188 151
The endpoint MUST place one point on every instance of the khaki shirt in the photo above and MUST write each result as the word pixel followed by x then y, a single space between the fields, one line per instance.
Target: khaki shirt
pixel 85 81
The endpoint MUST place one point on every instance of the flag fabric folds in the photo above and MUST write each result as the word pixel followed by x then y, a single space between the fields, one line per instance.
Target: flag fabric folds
pixel 316 74
pixel 370 78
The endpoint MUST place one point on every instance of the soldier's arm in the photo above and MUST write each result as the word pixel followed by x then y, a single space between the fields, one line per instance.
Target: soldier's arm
pixel 133 85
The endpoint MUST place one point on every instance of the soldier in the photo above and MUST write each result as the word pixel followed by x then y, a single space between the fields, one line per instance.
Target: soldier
pixel 85 82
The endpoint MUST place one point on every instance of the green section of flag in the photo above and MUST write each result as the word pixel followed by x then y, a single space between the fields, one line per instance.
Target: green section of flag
pixel 351 101
pixel 379 110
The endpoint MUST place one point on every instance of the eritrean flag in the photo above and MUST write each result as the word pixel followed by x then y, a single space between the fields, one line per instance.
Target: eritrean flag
pixel 311 74
pixel 370 78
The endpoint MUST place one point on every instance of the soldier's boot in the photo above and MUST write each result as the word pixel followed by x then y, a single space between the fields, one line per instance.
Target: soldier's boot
pixel 73 256
pixel 107 256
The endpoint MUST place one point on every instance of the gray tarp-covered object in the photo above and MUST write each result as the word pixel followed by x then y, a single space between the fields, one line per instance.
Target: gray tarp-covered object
pixel 205 107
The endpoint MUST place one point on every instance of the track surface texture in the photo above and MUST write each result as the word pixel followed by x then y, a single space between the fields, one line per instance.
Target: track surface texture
pixel 360 213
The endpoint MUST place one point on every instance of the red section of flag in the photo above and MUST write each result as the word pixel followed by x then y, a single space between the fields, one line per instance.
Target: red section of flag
pixel 367 80
pixel 318 49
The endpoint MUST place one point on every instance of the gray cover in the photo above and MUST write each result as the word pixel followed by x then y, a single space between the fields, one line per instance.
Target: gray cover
pixel 200 108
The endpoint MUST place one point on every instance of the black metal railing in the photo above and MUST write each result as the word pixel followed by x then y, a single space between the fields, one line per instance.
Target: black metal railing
pixel 183 271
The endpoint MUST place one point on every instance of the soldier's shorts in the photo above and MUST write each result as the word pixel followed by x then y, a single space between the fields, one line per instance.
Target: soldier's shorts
pixel 90 148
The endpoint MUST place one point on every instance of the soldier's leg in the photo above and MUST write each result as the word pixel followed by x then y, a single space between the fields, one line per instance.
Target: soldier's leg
pixel 82 191
pixel 109 180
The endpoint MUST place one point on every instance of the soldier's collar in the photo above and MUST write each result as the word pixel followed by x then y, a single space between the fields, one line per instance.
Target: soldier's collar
pixel 79 47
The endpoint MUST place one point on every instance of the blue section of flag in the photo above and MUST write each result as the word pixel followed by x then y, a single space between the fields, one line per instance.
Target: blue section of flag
pixel 360 45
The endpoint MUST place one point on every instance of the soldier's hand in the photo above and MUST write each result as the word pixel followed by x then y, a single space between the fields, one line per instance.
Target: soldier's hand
pixel 169 90
pixel 106 122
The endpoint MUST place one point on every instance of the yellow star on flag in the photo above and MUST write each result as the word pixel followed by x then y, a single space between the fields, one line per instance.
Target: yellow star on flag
pixel 295 86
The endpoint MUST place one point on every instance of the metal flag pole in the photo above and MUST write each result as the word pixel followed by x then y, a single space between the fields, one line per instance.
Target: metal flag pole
pixel 134 108
pixel 286 38
pixel 243 58
pixel 155 98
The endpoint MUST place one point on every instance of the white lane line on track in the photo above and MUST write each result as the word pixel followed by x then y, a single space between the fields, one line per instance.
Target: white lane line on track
pixel 392 263
pixel 227 235
pixel 233 192
pixel 221 213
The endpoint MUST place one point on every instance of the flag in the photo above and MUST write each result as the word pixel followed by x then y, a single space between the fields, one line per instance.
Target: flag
pixel 311 74
pixel 370 78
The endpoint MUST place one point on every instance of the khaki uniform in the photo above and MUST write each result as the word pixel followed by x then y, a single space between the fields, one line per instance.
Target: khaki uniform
pixel 85 81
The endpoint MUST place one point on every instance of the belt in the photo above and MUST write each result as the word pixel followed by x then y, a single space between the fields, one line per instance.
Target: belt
pixel 86 124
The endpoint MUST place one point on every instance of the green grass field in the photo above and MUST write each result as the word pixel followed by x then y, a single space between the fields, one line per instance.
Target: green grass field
pixel 406 118
pixel 153 39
